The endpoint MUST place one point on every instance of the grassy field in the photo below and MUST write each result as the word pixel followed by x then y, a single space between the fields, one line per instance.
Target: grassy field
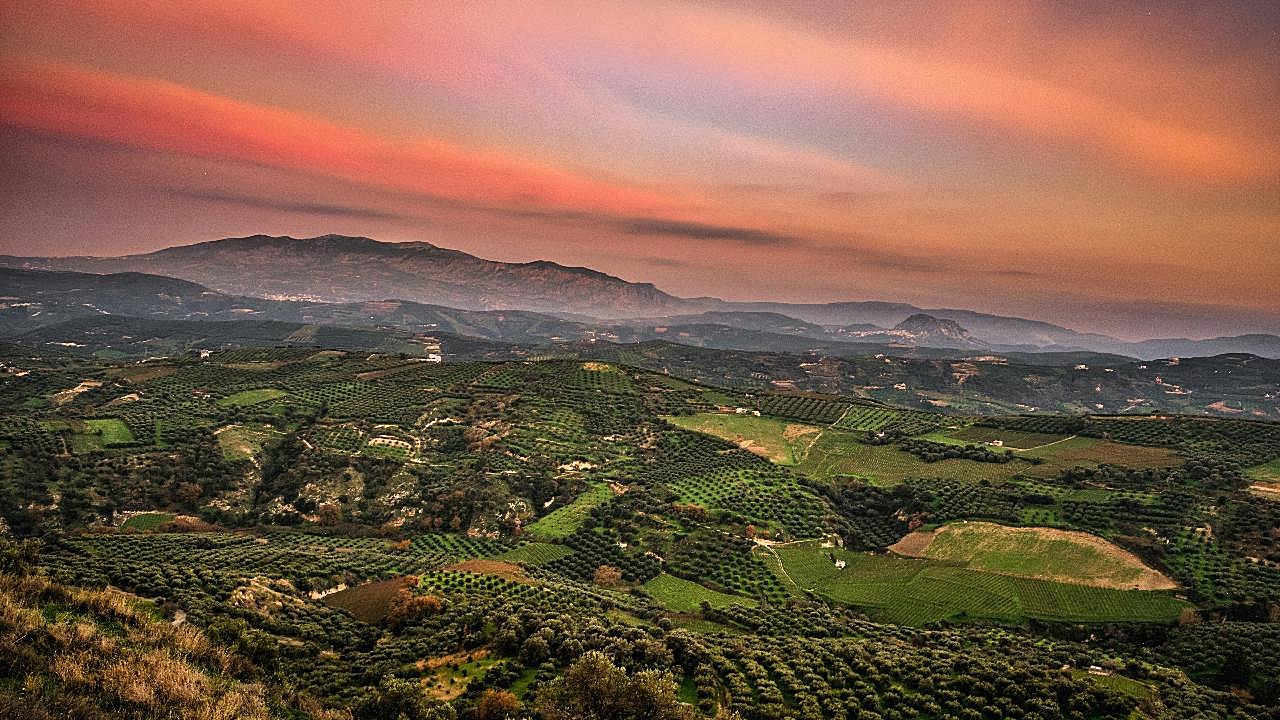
pixel 1015 439
pixel 679 595
pixel 562 521
pixel 1044 553
pixel 251 397
pixel 780 441
pixel 914 591
pixel 112 430
pixel 89 435
pixel 1091 452
pixel 838 453
pixel 1267 475
pixel 535 553
pixel 146 522
pixel 239 442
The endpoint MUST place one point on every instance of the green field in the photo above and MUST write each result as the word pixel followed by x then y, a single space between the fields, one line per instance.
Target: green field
pixel 534 553
pixel 780 441
pixel 1266 474
pixel 1073 557
pixel 866 417
pixel 914 591
pixel 561 522
pixel 840 454
pixel 1015 439
pixel 146 522
pixel 1092 452
pixel 239 442
pixel 112 430
pixel 685 596
pixel 245 398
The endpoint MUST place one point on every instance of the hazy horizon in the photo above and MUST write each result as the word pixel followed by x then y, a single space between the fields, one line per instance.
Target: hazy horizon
pixel 1118 316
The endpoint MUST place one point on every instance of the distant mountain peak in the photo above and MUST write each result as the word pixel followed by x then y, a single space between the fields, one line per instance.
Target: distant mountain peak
pixel 924 328
pixel 343 268
pixel 925 323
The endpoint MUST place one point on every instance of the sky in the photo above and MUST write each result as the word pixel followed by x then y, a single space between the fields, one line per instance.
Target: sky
pixel 1111 166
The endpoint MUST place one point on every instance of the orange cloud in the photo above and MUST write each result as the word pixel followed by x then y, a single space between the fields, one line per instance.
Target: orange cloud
pixel 158 115
pixel 973 79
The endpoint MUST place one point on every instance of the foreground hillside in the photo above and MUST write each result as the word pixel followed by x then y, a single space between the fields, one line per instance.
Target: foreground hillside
pixel 380 534
pixel 103 653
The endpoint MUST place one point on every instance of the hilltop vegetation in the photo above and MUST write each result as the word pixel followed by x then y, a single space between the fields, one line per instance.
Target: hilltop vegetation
pixel 373 533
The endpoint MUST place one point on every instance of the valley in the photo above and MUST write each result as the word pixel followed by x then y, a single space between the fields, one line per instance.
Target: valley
pixel 341 516
pixel 674 360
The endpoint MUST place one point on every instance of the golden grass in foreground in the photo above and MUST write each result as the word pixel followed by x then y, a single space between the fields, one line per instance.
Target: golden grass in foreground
pixel 69 652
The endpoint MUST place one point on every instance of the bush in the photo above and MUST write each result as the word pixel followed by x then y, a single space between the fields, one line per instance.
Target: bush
pixel 593 688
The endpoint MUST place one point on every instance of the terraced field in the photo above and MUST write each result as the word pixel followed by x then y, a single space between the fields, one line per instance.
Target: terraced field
pixel 908 422
pixel 535 553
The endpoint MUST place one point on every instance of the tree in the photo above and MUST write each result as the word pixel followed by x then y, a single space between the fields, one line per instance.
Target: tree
pixel 496 705
pixel 593 688
pixel 398 699
pixel 608 576
pixel 407 608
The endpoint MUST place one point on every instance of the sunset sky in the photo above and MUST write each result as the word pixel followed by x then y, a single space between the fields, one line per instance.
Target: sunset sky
pixel 1111 166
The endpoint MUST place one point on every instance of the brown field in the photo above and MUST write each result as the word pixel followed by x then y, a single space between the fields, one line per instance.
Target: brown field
pixel 369 602
pixel 1092 452
pixel 1271 491
pixel 504 570
pixel 914 544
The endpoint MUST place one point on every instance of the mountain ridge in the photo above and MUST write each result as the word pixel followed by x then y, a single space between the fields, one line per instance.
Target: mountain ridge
pixel 344 269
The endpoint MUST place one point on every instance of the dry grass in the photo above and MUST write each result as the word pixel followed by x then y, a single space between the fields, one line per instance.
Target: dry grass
pixel 102 649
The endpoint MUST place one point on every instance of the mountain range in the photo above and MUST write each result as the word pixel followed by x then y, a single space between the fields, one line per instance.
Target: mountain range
pixel 351 280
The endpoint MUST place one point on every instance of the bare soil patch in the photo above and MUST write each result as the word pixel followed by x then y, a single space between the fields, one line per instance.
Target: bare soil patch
pixel 915 544
pixel 504 570
pixel 794 432
pixel 369 602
